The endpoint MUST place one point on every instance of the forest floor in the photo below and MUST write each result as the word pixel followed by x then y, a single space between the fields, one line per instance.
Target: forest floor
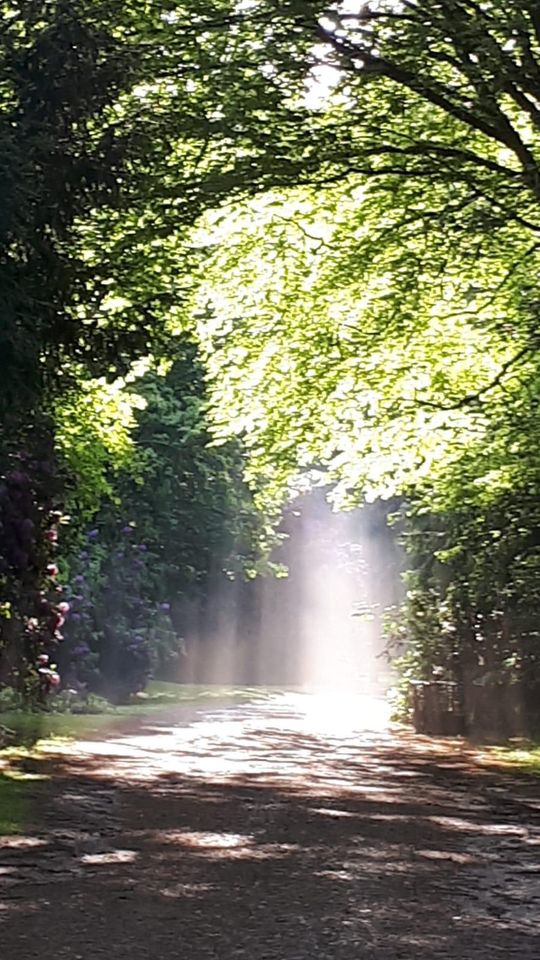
pixel 287 829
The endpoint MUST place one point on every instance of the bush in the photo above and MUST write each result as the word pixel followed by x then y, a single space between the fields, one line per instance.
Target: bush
pixel 10 700
pixel 70 701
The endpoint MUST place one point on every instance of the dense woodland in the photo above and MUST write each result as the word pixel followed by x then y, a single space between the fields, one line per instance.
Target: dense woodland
pixel 249 246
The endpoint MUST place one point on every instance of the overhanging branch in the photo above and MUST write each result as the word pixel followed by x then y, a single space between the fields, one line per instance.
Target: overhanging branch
pixel 475 397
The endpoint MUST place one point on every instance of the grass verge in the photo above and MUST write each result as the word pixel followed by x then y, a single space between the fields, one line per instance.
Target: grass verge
pixel 14 804
pixel 523 758
pixel 29 734
pixel 30 728
pixel 17 790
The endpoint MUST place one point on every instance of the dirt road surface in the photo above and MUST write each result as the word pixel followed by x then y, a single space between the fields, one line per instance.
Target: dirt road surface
pixel 295 828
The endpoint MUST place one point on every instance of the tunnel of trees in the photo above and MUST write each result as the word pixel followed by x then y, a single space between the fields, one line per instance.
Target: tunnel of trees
pixel 248 247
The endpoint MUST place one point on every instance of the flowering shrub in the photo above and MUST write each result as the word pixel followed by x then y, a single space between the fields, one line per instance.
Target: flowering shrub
pixel 31 609
pixel 116 633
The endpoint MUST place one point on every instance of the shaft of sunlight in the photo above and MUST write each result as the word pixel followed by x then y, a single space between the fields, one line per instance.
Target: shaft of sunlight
pixel 340 633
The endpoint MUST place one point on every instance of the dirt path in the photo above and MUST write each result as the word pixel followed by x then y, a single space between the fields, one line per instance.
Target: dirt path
pixel 274 832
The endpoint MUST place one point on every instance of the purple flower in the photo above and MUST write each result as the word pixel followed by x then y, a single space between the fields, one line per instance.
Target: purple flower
pixel 81 650
pixel 75 616
pixel 142 547
pixel 127 530
pixel 165 606
pixel 92 534
pixel 83 555
pixel 79 579
pixel 17 477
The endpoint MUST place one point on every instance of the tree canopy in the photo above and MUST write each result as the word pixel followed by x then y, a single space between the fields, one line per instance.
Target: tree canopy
pixel 340 202
pixel 390 305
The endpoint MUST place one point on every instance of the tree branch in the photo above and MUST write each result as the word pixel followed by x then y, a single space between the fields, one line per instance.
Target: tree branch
pixel 471 398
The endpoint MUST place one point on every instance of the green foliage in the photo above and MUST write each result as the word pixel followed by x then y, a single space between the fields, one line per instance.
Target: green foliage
pixel 186 495
pixel 473 606
pixel 524 758
pixel 93 438
pixel 384 328
pixel 10 699
pixel 69 702
pixel 116 132
pixel 325 351
pixel 375 315
pixel 31 597
pixel 175 516
pixel 119 125
pixel 117 632
pixel 378 323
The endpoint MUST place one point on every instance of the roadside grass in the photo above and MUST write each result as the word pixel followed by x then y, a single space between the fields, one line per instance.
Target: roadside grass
pixel 14 804
pixel 16 793
pixel 523 757
pixel 28 736
pixel 30 728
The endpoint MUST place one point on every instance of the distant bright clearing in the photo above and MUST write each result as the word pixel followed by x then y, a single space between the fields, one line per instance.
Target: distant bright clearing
pixel 341 712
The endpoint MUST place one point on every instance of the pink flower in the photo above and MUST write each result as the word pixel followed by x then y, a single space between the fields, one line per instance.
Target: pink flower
pixel 63 607
pixel 52 570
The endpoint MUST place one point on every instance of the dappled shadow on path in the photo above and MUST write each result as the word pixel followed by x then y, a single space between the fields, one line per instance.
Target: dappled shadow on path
pixel 255 833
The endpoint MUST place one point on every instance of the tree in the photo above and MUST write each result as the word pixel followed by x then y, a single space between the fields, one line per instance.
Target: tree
pixel 389 334
pixel 115 133
pixel 124 123
pixel 428 244
pixel 440 93
pixel 175 518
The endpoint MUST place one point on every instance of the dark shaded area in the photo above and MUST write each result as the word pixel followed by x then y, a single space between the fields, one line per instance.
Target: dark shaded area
pixel 490 711
pixel 292 844
pixel 472 609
